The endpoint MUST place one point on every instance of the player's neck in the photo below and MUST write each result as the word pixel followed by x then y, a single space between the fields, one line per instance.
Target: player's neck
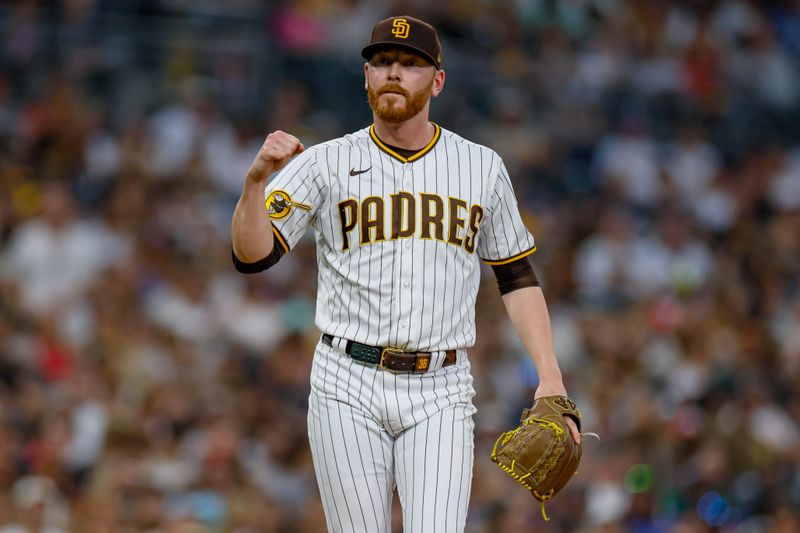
pixel 413 134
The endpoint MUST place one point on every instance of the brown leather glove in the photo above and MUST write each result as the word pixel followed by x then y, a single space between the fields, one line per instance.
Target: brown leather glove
pixel 540 454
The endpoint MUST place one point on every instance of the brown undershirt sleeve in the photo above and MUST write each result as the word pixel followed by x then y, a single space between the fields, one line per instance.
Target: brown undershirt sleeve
pixel 515 275
pixel 261 265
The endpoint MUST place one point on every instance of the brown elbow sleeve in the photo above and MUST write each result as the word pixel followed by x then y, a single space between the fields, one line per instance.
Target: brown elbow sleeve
pixel 515 275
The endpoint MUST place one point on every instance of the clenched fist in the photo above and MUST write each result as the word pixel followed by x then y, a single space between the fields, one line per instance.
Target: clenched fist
pixel 277 150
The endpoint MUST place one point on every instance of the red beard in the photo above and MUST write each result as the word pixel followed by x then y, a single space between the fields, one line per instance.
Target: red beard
pixel 390 111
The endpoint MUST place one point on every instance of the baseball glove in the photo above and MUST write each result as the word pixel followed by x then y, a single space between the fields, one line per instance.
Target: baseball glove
pixel 540 454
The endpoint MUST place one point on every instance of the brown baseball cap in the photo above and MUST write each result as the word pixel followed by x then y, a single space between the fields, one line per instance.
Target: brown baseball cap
pixel 407 32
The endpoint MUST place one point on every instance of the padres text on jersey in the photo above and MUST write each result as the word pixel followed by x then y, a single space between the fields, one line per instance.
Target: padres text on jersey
pixel 395 234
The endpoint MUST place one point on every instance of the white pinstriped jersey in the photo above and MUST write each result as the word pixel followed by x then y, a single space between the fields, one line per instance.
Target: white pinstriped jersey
pixel 399 239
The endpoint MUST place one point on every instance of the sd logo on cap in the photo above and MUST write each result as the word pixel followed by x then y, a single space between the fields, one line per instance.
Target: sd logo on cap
pixel 400 28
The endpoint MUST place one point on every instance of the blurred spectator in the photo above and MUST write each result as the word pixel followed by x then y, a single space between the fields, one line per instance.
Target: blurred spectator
pixel 627 164
pixel 39 507
pixel 53 258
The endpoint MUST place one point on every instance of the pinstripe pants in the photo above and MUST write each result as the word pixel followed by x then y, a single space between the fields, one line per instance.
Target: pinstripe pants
pixel 370 429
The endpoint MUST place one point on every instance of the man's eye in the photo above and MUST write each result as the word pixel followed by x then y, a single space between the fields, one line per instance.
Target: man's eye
pixel 383 61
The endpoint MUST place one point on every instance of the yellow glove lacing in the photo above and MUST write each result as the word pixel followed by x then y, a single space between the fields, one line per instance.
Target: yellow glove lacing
pixel 543 498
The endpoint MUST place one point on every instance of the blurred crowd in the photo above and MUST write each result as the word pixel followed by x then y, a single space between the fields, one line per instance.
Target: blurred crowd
pixel 145 386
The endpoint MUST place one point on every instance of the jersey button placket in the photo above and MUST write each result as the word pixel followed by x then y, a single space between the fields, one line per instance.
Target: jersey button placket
pixel 408 187
pixel 406 266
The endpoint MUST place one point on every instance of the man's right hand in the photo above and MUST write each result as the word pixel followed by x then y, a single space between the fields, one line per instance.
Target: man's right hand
pixel 277 150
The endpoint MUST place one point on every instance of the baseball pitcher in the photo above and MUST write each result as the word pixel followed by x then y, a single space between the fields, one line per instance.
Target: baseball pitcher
pixel 403 211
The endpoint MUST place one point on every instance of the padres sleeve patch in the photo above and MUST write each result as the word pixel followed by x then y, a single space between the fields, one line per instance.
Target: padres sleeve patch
pixel 279 204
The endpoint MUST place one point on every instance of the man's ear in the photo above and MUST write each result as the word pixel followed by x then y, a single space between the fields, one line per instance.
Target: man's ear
pixel 438 83
pixel 366 79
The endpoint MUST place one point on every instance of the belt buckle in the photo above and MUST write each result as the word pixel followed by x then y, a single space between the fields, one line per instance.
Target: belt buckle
pixel 386 350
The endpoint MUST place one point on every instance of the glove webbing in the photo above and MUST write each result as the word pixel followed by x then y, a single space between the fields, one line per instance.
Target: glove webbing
pixel 511 471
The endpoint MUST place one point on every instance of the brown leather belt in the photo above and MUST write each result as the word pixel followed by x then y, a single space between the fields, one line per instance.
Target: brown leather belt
pixel 392 359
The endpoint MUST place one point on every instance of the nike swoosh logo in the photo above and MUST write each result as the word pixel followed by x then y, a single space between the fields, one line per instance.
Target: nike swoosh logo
pixel 354 172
